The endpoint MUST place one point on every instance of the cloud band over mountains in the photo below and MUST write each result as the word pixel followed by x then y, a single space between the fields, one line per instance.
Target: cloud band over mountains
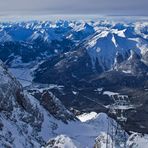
pixel 109 7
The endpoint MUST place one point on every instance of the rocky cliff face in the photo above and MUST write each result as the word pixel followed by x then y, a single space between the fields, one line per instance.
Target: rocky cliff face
pixel 17 114
pixel 22 117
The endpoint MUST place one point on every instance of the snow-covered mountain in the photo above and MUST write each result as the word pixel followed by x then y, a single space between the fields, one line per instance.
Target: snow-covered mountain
pixel 102 40
pixel 35 118
pixel 72 66
pixel 114 59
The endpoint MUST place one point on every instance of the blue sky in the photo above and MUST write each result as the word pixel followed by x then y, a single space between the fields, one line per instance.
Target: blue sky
pixel 102 7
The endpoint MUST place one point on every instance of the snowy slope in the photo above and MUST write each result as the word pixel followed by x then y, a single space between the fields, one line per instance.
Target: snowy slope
pixel 106 45
pixel 85 134
pixel 26 121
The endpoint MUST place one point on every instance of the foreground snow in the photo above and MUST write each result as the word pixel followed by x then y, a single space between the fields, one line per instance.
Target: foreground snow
pixel 85 134
pixel 91 132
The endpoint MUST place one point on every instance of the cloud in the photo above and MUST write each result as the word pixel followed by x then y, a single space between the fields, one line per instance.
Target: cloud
pixel 116 7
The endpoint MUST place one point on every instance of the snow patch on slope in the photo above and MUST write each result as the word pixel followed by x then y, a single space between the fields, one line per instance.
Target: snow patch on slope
pixel 87 116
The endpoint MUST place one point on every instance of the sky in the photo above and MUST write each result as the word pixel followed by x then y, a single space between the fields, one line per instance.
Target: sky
pixel 102 7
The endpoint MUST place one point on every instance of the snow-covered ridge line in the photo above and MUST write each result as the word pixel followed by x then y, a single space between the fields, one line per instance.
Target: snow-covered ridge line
pixel 103 40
